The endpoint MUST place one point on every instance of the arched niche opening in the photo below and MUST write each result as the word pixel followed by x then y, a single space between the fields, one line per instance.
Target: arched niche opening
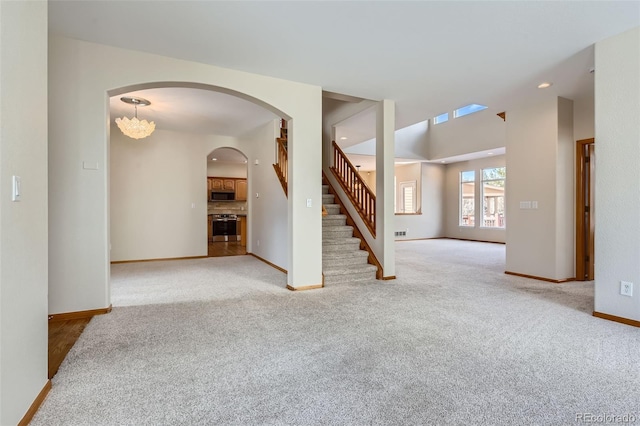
pixel 227 212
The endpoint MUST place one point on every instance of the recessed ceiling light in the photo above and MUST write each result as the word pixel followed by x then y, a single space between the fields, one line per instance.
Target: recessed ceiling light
pixel 214 159
pixel 443 161
pixel 489 153
pixel 344 138
pixel 544 85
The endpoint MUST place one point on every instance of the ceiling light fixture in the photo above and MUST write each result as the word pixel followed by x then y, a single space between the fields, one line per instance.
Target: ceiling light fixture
pixel 135 128
pixel 344 138
pixel 544 85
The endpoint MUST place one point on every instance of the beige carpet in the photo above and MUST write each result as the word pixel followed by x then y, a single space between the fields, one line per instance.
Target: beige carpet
pixel 452 341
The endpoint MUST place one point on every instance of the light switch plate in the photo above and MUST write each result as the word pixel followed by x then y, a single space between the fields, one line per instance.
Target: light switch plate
pixel 16 188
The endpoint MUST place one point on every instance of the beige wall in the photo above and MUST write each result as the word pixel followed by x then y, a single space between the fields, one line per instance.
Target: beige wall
pixel 232 170
pixel 268 212
pixel 430 222
pixel 479 131
pixel 159 194
pixel 539 136
pixel 617 111
pixel 452 229
pixel 23 224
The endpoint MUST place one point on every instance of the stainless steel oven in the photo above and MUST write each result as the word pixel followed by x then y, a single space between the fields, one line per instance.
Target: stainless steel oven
pixel 225 227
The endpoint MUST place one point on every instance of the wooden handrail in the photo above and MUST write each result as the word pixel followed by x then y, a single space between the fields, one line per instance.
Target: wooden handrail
pixel 362 198
pixel 282 162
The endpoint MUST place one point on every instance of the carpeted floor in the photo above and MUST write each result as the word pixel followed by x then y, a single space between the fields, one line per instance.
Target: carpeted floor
pixel 452 341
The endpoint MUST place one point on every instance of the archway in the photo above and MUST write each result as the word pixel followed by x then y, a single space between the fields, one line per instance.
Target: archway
pixel 160 195
pixel 227 212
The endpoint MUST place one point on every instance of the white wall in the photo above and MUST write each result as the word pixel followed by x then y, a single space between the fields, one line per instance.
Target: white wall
pixel 583 118
pixel 267 213
pixel 231 170
pixel 617 111
pixel 411 143
pixel 540 169
pixel 430 222
pixel 452 228
pixel 81 78
pixel 476 132
pixel 23 224
pixel 154 183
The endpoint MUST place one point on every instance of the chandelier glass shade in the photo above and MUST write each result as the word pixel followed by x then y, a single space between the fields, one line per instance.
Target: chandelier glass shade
pixel 135 128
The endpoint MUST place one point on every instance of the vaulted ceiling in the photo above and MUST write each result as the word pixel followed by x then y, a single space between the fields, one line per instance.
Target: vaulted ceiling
pixel 429 57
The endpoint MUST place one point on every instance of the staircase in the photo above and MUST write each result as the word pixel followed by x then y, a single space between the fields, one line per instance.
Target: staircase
pixel 342 259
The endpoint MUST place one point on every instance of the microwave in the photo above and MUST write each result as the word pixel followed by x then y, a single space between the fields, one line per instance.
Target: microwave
pixel 222 196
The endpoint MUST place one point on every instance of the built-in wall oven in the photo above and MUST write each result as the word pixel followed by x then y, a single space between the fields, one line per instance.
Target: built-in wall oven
pixel 225 227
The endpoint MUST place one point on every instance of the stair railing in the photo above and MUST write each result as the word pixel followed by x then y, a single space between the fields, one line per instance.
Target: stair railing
pixel 282 163
pixel 362 198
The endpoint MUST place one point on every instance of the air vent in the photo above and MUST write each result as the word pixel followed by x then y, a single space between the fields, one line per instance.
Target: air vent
pixel 401 233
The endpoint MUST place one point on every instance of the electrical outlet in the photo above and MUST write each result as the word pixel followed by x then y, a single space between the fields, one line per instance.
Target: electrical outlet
pixel 626 288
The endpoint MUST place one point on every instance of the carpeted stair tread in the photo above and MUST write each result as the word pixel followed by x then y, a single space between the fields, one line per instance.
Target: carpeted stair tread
pixel 338 260
pixel 353 254
pixel 350 269
pixel 337 231
pixel 342 259
pixel 333 220
pixel 334 216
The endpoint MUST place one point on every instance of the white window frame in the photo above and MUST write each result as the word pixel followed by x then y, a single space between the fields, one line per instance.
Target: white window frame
pixel 401 200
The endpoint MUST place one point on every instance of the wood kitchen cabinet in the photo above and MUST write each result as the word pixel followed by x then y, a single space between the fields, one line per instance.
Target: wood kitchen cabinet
pixel 241 190
pixel 229 184
pixel 210 227
pixel 242 230
pixel 215 184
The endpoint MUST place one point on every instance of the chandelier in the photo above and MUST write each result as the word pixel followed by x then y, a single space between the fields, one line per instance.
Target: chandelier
pixel 134 128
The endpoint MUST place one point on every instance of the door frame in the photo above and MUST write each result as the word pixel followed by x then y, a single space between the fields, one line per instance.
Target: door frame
pixel 585 197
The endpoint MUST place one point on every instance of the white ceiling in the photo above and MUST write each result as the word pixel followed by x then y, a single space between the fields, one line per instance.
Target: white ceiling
pixel 428 56
pixel 194 111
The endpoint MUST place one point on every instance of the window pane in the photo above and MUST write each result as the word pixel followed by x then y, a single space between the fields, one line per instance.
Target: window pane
pixel 468 109
pixel 494 173
pixel 493 184
pixel 467 198
pixel 469 176
pixel 441 118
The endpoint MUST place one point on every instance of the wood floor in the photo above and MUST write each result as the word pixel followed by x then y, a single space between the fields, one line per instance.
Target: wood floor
pixel 62 336
pixel 226 248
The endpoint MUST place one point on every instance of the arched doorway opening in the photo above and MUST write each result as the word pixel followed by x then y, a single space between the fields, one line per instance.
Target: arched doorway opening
pixel 227 188
pixel 162 199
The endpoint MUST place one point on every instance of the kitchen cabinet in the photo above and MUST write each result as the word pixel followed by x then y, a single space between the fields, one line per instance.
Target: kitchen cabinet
pixel 215 184
pixel 241 190
pixel 229 184
pixel 242 230
pixel 210 228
